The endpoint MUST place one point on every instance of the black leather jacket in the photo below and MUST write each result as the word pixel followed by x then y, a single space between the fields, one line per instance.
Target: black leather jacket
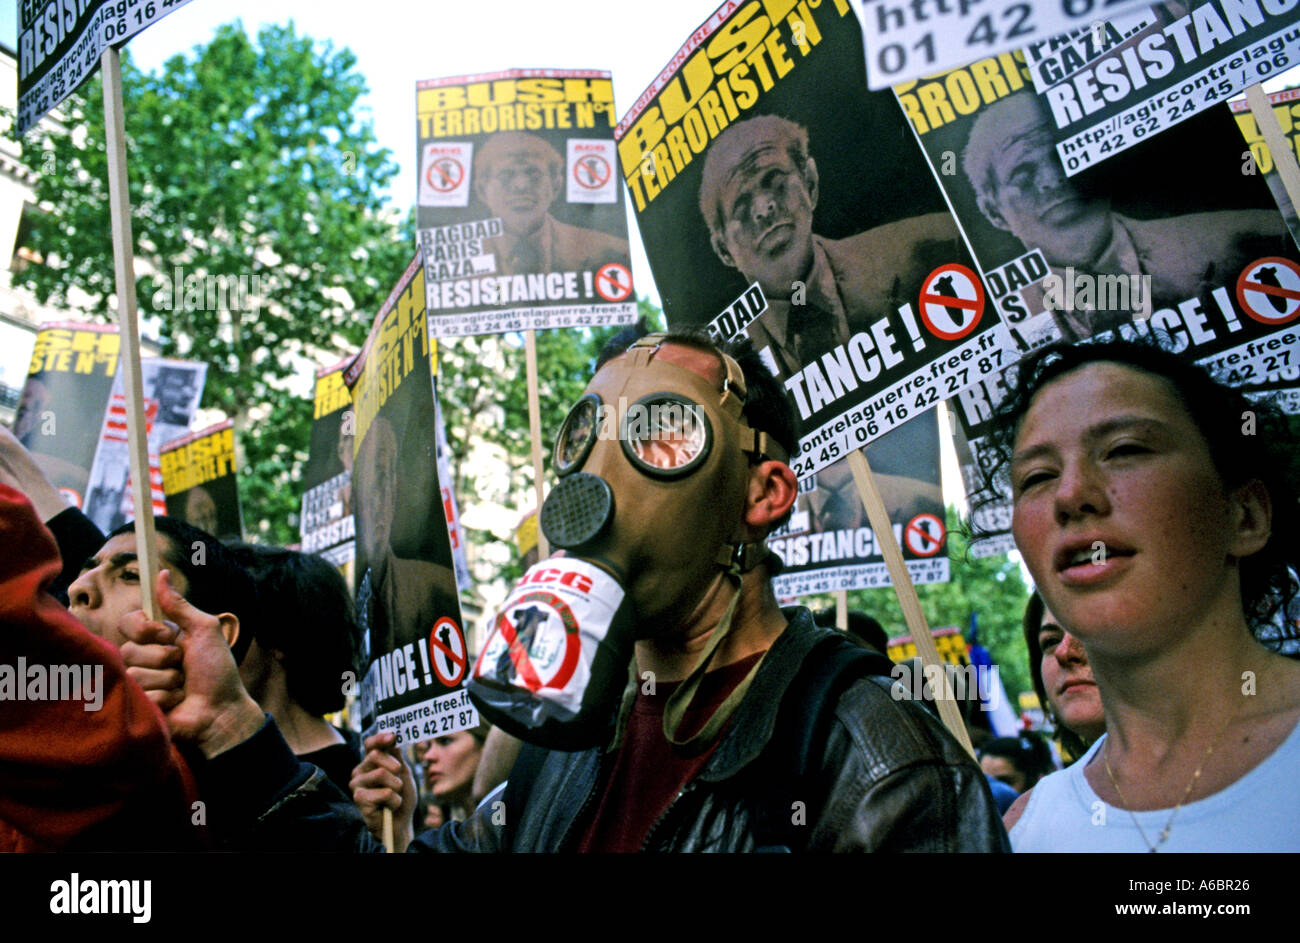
pixel 890 778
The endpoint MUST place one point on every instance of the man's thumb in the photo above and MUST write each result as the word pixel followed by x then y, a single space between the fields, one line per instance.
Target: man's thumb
pixel 177 608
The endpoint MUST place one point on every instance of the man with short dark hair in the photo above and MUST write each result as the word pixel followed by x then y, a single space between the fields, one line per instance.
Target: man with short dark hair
pixel 730 736
pixel 203 571
pixel 94 769
pixel 758 191
pixel 398 598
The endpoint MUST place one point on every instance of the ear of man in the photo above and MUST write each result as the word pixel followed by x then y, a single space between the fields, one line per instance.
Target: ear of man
pixel 229 624
pixel 216 712
pixel 989 207
pixel 719 242
pixel 771 493
pixel 1252 509
pixel 810 181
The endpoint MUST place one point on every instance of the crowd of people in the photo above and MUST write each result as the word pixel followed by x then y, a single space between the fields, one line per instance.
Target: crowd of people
pixel 1161 536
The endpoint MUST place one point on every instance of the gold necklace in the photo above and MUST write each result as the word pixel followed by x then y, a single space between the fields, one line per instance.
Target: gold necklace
pixel 1164 832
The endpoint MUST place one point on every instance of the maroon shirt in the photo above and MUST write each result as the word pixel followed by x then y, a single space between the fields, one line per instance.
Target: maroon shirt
pixel 648 773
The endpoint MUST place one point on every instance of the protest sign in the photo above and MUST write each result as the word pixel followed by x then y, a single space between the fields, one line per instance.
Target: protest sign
pixel 990 519
pixel 907 39
pixel 61 407
pixel 778 197
pixel 1285 393
pixel 60 42
pixel 829 545
pixel 1286 108
pixel 520 218
pixel 172 390
pixel 326 522
pixel 1146 233
pixel 201 481
pixel 1051 59
pixel 1202 53
pixel 406 593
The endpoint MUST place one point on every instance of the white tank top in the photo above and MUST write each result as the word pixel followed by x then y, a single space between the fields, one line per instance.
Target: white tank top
pixel 1259 812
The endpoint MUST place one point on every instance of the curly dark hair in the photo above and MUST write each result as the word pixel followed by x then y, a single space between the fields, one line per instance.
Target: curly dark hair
pixel 1249 439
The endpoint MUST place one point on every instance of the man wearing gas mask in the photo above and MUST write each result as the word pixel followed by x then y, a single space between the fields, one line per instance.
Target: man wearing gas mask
pixel 666 701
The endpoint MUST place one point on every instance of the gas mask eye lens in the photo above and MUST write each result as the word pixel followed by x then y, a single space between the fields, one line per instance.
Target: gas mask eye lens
pixel 665 435
pixel 577 434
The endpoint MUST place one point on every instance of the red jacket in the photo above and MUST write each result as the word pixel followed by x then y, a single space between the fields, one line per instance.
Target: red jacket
pixel 104 780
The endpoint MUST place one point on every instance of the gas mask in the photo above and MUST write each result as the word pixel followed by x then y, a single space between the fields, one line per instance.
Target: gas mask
pixel 654 467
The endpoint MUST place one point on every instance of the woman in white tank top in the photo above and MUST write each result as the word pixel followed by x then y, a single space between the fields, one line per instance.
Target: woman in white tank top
pixel 1157 513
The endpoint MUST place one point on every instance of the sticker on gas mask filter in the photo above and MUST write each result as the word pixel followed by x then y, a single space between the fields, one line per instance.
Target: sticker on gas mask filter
pixel 547 632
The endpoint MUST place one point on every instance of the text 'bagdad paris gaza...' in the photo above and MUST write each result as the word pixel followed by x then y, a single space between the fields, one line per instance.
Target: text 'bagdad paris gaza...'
pixel 757 45
pixel 456 250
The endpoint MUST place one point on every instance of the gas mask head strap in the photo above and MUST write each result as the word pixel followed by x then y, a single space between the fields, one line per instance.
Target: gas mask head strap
pixel 734 390
pixel 732 402
pixel 679 702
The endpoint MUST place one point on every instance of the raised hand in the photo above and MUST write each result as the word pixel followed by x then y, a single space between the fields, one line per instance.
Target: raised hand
pixel 215 712
pixel 383 781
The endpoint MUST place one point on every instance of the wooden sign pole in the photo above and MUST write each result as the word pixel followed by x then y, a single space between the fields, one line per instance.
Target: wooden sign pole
pixel 119 201
pixel 1279 147
pixel 535 433
pixel 907 597
pixel 842 610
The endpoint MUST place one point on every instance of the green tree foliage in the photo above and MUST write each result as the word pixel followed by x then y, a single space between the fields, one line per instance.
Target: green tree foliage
pixel 992 588
pixel 247 158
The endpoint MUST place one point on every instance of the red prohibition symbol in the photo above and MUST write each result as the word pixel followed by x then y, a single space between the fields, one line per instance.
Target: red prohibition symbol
pixel 952 302
pixel 591 171
pixel 444 174
pixel 447 651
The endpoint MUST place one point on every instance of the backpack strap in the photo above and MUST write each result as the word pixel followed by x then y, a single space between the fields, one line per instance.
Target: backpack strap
pixel 802 730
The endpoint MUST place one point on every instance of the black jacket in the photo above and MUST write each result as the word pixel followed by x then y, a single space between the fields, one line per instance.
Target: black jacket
pixel 889 778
